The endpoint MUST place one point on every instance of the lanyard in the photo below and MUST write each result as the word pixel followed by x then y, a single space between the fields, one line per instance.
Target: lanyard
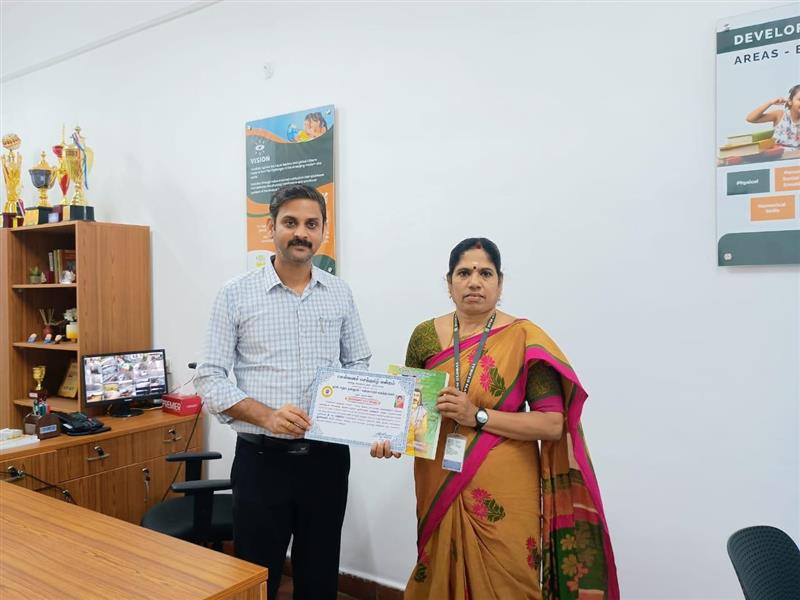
pixel 457 352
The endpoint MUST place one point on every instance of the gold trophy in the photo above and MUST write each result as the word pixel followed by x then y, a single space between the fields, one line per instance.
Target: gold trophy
pixel 78 158
pixel 13 210
pixel 43 177
pixel 61 176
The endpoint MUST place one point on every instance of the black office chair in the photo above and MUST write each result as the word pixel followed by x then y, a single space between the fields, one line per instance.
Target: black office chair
pixel 200 516
pixel 767 563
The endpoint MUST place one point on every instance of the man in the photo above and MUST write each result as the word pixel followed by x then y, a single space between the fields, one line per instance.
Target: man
pixel 276 326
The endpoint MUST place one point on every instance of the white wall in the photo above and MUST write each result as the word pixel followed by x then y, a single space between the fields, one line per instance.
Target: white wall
pixel 579 137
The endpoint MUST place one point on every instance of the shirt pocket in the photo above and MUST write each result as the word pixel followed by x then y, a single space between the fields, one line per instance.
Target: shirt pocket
pixel 330 335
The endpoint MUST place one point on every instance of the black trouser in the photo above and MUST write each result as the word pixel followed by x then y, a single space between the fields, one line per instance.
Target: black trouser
pixel 277 495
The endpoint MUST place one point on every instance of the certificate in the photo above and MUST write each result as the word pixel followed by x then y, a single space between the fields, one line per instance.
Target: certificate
pixel 358 408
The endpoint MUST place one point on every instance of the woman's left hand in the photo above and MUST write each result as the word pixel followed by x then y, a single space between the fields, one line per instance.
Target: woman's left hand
pixel 454 404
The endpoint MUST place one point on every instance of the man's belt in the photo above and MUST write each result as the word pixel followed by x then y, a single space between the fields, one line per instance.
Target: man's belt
pixel 286 446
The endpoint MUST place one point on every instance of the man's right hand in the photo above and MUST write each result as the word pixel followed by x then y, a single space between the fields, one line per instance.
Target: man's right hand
pixel 382 450
pixel 288 420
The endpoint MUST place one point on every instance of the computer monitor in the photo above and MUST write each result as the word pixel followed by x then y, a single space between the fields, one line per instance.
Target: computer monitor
pixel 121 378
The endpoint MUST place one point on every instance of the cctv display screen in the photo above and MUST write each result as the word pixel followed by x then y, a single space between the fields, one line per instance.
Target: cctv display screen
pixel 124 377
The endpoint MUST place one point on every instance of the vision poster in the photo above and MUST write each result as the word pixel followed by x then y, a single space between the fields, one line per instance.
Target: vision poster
pixel 758 148
pixel 289 149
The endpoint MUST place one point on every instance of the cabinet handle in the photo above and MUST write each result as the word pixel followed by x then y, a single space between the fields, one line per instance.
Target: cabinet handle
pixel 101 454
pixel 146 473
pixel 175 437
pixel 14 473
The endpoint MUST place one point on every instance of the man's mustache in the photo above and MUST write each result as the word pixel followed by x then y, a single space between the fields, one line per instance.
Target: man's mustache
pixel 299 242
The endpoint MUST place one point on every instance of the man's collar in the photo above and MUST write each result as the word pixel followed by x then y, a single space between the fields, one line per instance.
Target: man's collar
pixel 272 279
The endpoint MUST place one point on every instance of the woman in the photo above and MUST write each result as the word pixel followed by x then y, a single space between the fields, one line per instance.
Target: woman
pixel 786 121
pixel 479 531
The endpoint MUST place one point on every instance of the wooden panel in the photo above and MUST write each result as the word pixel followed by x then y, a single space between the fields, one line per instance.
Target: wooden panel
pixel 163 474
pixel 44 466
pixel 87 459
pixel 114 287
pixel 19 316
pixel 61 347
pixel 55 403
pixel 5 332
pixel 112 493
pixel 106 557
pixel 119 427
pixel 163 440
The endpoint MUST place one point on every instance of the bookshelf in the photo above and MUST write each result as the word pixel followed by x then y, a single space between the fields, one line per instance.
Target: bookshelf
pixel 112 294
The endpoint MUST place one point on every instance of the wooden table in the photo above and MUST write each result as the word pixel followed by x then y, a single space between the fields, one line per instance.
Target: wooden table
pixel 52 549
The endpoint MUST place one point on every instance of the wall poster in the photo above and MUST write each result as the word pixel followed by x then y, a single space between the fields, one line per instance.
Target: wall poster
pixel 758 147
pixel 292 148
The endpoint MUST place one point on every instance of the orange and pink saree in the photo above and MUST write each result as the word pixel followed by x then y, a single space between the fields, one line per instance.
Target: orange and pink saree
pixel 513 517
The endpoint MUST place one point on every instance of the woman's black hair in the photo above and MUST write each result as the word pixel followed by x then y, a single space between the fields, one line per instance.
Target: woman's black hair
pixel 792 91
pixel 479 243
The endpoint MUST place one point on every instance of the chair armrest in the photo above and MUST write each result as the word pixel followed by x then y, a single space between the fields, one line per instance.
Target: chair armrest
pixel 187 456
pixel 201 485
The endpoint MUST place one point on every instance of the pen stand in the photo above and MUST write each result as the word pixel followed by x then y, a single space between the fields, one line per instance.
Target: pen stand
pixel 48 426
pixel 29 424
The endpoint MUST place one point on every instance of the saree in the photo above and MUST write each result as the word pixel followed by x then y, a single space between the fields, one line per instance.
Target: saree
pixel 514 516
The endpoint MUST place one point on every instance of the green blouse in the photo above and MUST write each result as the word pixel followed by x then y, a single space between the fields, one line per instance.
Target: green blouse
pixel 543 380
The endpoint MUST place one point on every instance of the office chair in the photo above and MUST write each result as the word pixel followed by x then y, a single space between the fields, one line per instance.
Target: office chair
pixel 200 516
pixel 767 563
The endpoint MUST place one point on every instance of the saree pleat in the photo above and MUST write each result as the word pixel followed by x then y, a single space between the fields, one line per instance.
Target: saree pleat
pixel 512 518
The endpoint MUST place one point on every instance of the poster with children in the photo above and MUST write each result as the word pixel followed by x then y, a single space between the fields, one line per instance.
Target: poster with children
pixel 295 148
pixel 425 421
pixel 757 139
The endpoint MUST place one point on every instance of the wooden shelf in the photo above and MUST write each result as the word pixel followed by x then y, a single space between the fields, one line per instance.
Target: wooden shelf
pixel 43 286
pixel 56 403
pixel 63 346
pixel 112 296
pixel 61 227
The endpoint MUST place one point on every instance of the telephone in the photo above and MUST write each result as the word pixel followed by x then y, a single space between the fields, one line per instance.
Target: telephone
pixel 77 423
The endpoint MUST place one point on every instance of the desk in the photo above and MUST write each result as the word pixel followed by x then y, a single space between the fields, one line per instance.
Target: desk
pixel 53 549
pixel 122 472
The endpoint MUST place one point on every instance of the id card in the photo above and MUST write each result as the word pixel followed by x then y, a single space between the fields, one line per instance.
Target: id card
pixel 454 451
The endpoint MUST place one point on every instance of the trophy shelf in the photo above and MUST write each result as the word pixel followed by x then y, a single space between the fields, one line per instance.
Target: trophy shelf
pixel 43 286
pixel 62 346
pixel 112 295
pixel 55 402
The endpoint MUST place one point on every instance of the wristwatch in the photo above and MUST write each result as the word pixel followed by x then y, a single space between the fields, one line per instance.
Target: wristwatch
pixel 481 418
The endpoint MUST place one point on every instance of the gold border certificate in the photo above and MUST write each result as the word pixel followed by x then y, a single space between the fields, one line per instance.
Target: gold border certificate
pixel 358 408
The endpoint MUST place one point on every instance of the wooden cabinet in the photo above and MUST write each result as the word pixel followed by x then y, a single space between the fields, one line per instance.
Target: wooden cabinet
pixel 112 294
pixel 120 473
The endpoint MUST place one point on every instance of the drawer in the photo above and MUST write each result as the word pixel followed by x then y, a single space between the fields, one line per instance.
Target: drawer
pixel 163 440
pixel 94 457
pixel 43 466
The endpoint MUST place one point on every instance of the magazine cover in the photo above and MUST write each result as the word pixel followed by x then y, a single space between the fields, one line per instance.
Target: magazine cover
pixel 425 421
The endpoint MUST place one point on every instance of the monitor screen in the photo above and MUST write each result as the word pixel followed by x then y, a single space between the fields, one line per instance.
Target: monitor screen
pixel 123 377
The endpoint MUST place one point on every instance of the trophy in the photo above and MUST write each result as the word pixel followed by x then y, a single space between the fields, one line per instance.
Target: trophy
pixel 13 210
pixel 78 159
pixel 43 177
pixel 38 394
pixel 61 176
pixel 44 423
